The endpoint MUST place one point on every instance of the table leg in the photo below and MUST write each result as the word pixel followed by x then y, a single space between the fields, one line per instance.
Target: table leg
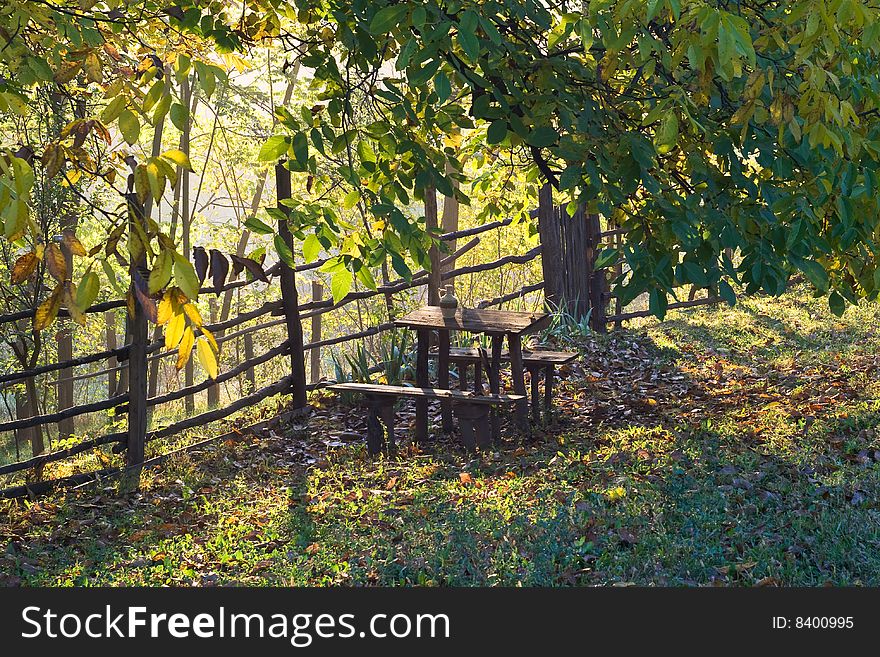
pixel 423 337
pixel 443 380
pixel 478 377
pixel 514 345
pixel 536 397
pixel 494 374
pixel 548 390
pixel 462 375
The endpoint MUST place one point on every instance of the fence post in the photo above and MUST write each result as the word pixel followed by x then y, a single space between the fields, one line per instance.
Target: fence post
pixel 433 252
pixel 289 295
pixel 596 277
pixel 64 339
pixel 137 361
pixel 249 355
pixel 214 390
pixel 112 362
pixel 551 252
pixel 315 365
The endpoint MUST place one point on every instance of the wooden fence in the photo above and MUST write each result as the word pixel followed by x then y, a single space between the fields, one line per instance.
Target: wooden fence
pixel 132 401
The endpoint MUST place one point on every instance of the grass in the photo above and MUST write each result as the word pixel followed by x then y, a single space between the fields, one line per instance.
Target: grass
pixel 732 446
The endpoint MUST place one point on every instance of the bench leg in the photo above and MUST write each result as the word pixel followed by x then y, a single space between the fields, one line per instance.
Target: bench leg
pixel 495 383
pixel 462 375
pixel 536 397
pixel 443 380
pixel 424 337
pixel 473 424
pixel 514 343
pixel 375 436
pixel 387 413
pixel 548 389
pixel 478 378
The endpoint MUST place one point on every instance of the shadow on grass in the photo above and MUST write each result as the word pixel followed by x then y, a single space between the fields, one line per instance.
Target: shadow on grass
pixel 667 484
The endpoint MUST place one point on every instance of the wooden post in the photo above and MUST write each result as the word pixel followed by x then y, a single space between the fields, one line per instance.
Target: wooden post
pixel 214 390
pixel 289 295
pixel 64 338
pixel 514 348
pixel 137 362
pixel 443 380
pixel 423 337
pixel 551 251
pixel 449 222
pixel 315 365
pixel 112 362
pixel 596 277
pixel 249 355
pixel 434 251
pixel 494 375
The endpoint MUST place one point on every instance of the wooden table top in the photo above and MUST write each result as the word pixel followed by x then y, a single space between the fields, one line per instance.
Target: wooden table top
pixel 475 320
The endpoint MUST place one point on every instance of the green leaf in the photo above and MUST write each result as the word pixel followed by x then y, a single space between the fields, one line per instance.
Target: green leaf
pixel 837 304
pixel 284 251
pixel 301 148
pixel 542 137
pixel 114 109
pixel 185 277
pixel 666 136
pixel 605 259
pixel 442 86
pixel 726 292
pixel 469 44
pixel 129 126
pixel 657 303
pixel 311 248
pixel 179 116
pixel 340 284
pixel 161 274
pixel 87 290
pixel 497 131
pixel 653 7
pixel 257 226
pixel 815 273
pixel 351 199
pixel 387 18
pixel 273 148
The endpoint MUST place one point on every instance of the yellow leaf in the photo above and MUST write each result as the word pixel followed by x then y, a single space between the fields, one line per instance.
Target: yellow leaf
pixel 211 339
pixel 207 357
pixel 166 308
pixel 174 330
pixel 73 244
pixel 193 313
pixel 72 309
pixel 53 159
pixel 93 67
pixel 185 349
pixel 48 310
pixel 24 267
pixel 56 263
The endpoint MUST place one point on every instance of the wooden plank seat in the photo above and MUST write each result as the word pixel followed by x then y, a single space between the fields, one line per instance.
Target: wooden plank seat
pixel 534 361
pixel 471 409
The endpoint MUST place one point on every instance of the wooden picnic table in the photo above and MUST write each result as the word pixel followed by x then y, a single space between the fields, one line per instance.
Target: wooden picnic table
pixel 498 325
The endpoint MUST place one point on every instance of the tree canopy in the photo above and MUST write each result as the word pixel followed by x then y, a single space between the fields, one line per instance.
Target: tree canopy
pixel 703 129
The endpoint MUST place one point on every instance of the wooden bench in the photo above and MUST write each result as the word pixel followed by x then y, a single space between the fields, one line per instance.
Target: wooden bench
pixel 471 409
pixel 533 361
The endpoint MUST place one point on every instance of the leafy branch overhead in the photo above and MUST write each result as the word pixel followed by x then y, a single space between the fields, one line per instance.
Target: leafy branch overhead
pixel 703 131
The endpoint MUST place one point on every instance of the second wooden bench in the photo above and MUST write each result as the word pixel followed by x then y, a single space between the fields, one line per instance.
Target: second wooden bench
pixel 534 361
pixel 471 410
